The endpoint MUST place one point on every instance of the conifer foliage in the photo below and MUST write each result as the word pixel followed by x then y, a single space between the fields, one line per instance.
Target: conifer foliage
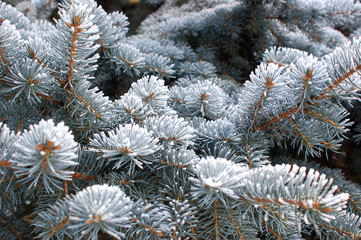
pixel 170 133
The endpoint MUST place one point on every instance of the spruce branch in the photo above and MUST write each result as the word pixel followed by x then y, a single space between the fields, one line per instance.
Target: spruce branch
pixel 342 72
pixel 131 109
pixel 10 37
pixel 45 152
pixel 10 13
pixel 180 158
pixel 171 130
pixel 28 80
pixel 312 193
pixel 151 221
pixel 76 27
pixel 152 92
pixel 7 144
pixel 126 59
pixel 100 207
pixel 36 50
pixel 53 222
pixel 127 144
pixel 345 226
pixel 215 179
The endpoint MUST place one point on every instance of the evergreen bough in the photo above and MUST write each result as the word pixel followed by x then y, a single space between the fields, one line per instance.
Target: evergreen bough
pixel 163 135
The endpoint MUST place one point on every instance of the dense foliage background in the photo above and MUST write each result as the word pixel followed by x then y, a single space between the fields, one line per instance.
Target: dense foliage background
pixel 348 158
pixel 208 119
